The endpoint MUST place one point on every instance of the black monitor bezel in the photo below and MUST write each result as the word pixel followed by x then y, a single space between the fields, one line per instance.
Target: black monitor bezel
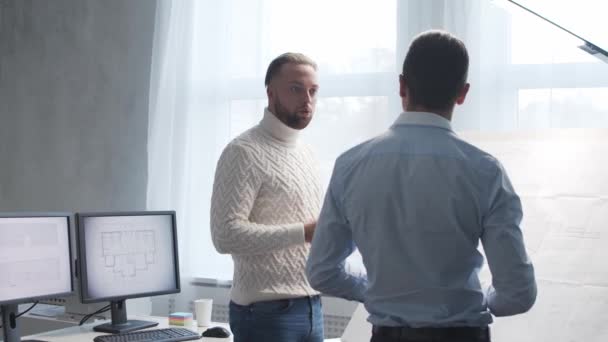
pixel 68 216
pixel 85 297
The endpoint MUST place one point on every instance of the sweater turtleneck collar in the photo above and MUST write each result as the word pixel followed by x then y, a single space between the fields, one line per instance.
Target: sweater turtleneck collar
pixel 277 129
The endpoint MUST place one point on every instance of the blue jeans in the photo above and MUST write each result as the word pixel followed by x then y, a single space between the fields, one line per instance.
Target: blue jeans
pixel 284 320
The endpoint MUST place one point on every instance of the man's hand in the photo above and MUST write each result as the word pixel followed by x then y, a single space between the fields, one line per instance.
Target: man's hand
pixel 309 230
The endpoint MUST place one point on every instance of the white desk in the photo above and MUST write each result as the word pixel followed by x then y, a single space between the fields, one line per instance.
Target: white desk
pixel 357 330
pixel 85 332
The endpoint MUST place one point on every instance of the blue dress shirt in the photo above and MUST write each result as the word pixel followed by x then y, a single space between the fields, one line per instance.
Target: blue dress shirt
pixel 416 201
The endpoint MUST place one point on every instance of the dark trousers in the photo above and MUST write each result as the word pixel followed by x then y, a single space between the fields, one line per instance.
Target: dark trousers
pixel 456 334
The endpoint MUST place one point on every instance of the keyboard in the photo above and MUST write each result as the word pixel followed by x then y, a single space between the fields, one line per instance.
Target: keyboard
pixel 152 335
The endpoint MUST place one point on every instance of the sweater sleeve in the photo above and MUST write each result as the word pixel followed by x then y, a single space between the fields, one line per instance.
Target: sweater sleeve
pixel 236 185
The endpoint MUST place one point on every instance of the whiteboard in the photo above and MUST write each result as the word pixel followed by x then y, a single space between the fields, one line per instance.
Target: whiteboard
pixel 562 178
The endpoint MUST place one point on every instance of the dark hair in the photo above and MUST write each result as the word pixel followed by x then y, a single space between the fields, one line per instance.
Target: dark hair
pixel 288 57
pixel 435 69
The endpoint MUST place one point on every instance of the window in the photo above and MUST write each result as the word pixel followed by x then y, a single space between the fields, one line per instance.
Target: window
pixel 211 58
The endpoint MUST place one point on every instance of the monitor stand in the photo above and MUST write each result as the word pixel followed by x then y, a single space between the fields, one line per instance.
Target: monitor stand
pixel 10 324
pixel 120 324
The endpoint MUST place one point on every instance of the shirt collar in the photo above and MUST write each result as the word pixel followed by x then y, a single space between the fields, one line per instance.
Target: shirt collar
pixel 277 129
pixel 423 119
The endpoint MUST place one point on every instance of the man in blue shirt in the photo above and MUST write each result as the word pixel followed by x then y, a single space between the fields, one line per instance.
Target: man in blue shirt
pixel 416 201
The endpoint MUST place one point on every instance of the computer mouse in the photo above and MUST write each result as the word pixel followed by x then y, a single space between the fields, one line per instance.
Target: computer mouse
pixel 216 332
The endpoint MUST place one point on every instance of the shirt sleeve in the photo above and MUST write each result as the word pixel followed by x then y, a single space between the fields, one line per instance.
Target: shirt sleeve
pixel 513 289
pixel 332 243
pixel 237 182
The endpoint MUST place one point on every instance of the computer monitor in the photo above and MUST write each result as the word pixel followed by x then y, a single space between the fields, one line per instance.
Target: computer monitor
pixel 124 255
pixel 35 263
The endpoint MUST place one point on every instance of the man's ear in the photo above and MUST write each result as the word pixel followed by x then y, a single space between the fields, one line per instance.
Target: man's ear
pixel 463 94
pixel 402 86
pixel 269 91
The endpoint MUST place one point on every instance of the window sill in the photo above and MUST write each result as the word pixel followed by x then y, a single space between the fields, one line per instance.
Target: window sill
pixel 210 282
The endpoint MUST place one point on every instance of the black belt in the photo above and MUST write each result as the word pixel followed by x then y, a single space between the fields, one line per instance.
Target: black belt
pixel 473 333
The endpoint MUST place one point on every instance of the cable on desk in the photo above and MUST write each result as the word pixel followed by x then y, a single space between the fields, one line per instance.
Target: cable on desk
pixel 85 318
pixel 28 309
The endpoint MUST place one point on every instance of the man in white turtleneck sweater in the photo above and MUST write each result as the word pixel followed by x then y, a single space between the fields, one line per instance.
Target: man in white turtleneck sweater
pixel 266 199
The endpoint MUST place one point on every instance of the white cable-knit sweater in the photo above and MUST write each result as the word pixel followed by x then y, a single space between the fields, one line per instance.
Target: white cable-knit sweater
pixel 266 187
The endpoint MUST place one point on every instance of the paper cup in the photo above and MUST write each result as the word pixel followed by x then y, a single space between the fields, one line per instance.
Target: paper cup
pixel 202 310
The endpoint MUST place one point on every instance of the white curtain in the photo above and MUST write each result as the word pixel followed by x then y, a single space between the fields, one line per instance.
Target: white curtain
pixel 210 57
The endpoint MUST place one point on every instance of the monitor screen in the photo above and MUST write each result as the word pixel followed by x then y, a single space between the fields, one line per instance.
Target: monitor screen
pixel 127 255
pixel 35 263
pixel 124 255
pixel 35 258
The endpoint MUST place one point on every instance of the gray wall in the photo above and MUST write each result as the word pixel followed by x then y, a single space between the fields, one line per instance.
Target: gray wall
pixel 74 81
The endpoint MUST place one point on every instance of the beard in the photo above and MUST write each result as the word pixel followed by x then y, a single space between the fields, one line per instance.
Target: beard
pixel 289 118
